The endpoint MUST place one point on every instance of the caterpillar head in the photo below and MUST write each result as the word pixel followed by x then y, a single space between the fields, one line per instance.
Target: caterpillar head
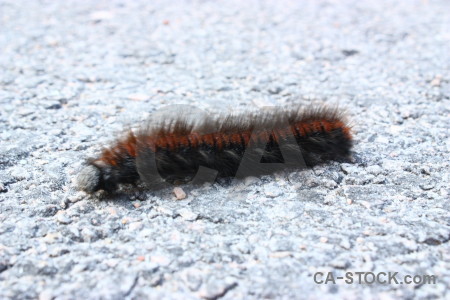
pixel 94 177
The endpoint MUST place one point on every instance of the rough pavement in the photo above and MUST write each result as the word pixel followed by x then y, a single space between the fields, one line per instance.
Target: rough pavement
pixel 75 73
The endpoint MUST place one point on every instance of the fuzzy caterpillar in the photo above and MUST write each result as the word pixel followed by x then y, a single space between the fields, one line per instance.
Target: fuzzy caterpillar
pixel 175 149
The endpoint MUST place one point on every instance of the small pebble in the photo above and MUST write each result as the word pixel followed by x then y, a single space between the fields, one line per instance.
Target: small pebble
pixel 180 194
pixel 138 97
pixel 323 239
pixel 436 81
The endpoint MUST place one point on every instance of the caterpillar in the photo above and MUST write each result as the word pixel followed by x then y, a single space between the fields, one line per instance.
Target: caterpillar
pixel 179 148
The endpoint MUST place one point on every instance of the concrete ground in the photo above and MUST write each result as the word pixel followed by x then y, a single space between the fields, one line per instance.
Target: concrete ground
pixel 74 74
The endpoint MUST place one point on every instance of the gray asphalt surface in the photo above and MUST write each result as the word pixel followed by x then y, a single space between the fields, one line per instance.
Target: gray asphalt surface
pixel 74 74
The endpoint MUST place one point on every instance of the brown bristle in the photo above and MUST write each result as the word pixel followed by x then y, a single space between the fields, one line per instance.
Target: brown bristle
pixel 127 146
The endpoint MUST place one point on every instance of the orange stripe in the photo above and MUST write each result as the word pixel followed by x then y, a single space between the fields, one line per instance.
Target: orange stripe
pixel 316 125
pixel 347 133
pixel 300 129
pixel 193 138
pixel 246 137
pixel 326 125
pixel 130 149
pixel 151 143
pixel 209 139
pixel 264 136
pixel 276 134
pixel 236 138
pixel 183 141
pixel 225 139
pixel 162 142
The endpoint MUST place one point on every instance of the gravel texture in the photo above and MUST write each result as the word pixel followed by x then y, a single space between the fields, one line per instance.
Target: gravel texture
pixel 75 73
